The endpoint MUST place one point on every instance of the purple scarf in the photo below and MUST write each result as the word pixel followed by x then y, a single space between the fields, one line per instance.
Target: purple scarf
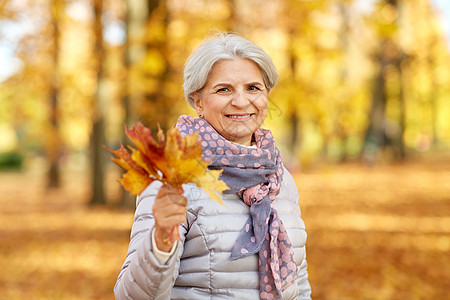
pixel 255 174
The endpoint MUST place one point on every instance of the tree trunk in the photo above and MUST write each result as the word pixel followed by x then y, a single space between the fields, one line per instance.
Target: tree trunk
pixel 98 128
pixel 126 199
pixel 98 162
pixel 157 99
pixel 402 103
pixel 375 137
pixel 294 122
pixel 54 144
pixel 294 118
pixel 375 134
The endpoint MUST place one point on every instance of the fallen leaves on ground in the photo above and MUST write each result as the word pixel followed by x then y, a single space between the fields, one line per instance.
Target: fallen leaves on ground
pixel 376 233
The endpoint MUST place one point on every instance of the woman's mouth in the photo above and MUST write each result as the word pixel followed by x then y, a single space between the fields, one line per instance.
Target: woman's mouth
pixel 239 117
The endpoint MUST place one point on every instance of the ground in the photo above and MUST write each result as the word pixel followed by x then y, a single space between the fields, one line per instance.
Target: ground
pixel 373 233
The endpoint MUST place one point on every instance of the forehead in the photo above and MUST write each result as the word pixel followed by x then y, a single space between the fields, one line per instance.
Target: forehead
pixel 236 70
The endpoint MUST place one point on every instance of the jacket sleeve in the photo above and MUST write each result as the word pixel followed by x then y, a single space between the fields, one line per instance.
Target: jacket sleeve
pixel 304 288
pixel 142 276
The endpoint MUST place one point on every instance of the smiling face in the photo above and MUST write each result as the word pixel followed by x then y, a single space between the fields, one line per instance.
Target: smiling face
pixel 234 99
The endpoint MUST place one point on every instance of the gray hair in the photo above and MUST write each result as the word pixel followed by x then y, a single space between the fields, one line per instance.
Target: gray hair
pixel 224 46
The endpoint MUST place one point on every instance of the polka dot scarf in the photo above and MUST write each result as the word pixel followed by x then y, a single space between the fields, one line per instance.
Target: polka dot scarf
pixel 255 174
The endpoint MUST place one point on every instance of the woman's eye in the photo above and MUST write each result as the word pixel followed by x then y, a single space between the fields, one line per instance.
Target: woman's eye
pixel 253 88
pixel 222 90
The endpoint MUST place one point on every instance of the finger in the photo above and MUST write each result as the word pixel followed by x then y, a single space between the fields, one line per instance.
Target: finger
pixel 174 189
pixel 170 221
pixel 170 203
pixel 167 213
pixel 165 209
pixel 174 194
pixel 177 199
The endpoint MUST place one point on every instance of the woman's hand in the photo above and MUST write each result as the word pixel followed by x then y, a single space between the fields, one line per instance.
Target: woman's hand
pixel 169 211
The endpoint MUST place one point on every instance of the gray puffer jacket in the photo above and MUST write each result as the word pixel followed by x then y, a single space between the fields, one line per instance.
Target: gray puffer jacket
pixel 200 268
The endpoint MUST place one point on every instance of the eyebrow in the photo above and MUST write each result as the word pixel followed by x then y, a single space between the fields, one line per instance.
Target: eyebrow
pixel 221 84
pixel 255 83
pixel 229 84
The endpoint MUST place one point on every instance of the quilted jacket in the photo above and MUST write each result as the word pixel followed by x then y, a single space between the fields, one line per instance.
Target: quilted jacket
pixel 200 268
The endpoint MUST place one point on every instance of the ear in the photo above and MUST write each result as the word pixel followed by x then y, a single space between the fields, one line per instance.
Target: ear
pixel 197 98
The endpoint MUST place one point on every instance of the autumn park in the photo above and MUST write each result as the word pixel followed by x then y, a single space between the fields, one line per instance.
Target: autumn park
pixel 361 115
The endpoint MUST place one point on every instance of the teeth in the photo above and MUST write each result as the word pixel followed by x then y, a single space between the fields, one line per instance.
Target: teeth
pixel 239 117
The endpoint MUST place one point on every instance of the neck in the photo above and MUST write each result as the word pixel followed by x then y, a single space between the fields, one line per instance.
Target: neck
pixel 243 142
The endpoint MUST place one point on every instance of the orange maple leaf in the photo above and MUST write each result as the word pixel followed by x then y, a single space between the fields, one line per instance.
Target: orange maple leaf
pixel 171 159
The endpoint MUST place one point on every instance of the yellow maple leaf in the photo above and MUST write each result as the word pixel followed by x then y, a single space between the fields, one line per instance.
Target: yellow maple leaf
pixel 135 182
pixel 211 184
pixel 137 178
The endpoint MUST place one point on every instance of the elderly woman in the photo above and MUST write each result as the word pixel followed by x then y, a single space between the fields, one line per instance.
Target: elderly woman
pixel 253 246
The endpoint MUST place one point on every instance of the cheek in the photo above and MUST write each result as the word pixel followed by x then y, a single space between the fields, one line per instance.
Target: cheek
pixel 214 106
pixel 263 108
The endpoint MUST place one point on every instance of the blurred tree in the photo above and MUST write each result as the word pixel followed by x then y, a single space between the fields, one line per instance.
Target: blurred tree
pixel 295 13
pixel 148 64
pixel 398 141
pixel 54 141
pixel 312 49
pixel 426 77
pixel 136 16
pixel 434 87
pixel 99 107
pixel 157 105
pixel 388 55
pixel 295 101
pixel 344 91
pixel 434 55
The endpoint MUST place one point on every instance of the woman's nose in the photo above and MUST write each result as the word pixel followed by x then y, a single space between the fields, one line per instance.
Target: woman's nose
pixel 240 99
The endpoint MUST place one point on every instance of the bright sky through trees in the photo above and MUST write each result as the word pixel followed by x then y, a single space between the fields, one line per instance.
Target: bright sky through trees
pixel 12 32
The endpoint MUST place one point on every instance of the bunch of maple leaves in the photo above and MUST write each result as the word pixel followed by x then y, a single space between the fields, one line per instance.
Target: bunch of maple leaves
pixel 171 159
